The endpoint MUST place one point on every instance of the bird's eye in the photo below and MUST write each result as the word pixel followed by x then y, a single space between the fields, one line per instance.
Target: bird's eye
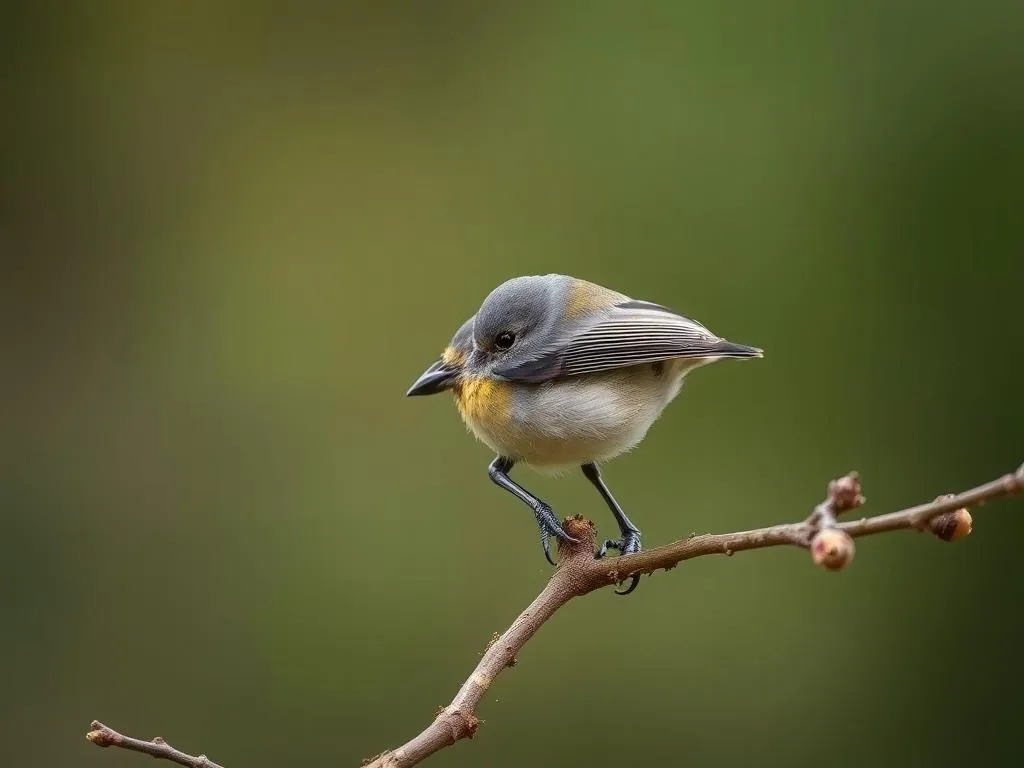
pixel 504 340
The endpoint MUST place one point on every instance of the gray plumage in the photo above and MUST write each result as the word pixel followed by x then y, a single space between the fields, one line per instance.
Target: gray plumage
pixel 589 369
pixel 557 372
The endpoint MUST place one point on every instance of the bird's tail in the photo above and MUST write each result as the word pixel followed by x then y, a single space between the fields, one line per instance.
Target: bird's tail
pixel 725 348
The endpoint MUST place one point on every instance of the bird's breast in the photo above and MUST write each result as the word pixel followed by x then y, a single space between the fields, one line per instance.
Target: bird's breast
pixel 570 421
pixel 484 404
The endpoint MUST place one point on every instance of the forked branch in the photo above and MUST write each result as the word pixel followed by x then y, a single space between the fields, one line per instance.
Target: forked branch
pixel 829 541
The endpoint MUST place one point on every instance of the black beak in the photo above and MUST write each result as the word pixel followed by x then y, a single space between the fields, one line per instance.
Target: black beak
pixel 437 378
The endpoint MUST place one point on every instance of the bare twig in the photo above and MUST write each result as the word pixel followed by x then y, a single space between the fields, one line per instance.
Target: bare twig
pixel 102 736
pixel 578 573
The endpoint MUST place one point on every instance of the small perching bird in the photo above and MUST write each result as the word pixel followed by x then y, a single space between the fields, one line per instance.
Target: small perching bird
pixel 556 372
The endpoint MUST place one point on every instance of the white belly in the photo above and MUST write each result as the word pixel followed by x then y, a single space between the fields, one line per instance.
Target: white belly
pixel 565 423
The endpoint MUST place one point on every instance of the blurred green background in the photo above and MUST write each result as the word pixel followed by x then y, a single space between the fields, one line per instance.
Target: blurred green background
pixel 236 232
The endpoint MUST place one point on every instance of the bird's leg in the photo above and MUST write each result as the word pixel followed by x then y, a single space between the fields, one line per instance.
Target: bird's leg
pixel 630 541
pixel 547 522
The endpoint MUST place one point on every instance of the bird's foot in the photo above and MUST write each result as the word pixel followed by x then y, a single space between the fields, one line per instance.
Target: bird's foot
pixel 627 545
pixel 549 526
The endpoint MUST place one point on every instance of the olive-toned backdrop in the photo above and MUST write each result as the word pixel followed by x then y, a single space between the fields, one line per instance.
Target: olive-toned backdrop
pixel 236 232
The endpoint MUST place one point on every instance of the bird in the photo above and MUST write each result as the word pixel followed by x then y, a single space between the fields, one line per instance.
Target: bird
pixel 555 372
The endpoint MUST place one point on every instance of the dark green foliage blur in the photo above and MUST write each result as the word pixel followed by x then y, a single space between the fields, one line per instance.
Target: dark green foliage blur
pixel 234 233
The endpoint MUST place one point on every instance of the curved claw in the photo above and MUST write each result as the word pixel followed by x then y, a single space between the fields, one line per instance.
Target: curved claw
pixel 627 545
pixel 549 525
pixel 545 542
pixel 560 533
pixel 633 581
pixel 608 544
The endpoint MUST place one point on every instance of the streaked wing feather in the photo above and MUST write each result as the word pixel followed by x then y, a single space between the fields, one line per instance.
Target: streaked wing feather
pixel 635 335
pixel 628 334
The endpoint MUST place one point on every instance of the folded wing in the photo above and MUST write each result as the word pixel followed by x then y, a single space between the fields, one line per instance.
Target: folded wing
pixel 631 333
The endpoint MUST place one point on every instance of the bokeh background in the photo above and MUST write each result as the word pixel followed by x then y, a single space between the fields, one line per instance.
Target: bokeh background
pixel 234 233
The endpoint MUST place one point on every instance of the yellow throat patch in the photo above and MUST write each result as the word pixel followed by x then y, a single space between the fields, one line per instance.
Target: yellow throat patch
pixel 484 402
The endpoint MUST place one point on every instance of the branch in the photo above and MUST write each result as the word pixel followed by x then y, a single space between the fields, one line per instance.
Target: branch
pixel 102 736
pixel 578 573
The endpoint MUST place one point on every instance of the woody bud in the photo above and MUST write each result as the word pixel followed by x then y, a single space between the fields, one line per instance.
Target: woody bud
pixel 832 548
pixel 952 526
pixel 845 493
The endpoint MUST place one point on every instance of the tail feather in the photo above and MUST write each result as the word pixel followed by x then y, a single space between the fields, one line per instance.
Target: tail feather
pixel 731 349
